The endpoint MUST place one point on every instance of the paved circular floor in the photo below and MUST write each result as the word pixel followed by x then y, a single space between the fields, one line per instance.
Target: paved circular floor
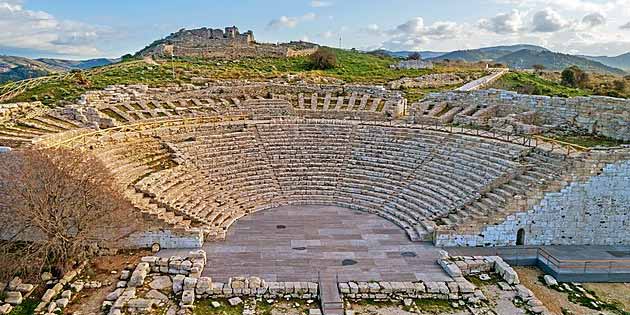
pixel 295 243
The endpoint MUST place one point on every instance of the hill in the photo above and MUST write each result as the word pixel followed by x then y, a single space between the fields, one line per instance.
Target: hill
pixel 404 54
pixel 77 64
pixel 621 61
pixel 473 55
pixel 18 68
pixel 526 59
pixel 352 67
pixel 486 53
pixel 14 68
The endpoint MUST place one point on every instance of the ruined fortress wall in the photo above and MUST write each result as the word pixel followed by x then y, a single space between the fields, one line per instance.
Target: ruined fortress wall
pixel 594 211
pixel 599 115
pixel 227 51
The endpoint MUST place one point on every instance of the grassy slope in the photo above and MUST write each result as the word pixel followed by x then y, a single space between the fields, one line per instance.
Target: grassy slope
pixel 353 67
pixel 529 83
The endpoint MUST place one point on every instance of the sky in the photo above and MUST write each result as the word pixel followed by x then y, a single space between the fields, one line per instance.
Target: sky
pixel 80 29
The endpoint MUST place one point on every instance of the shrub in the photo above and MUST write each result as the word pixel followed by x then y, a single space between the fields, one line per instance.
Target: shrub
pixel 619 85
pixel 414 56
pixel 323 59
pixel 574 77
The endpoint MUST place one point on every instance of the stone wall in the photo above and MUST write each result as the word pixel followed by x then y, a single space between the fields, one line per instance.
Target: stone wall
pixel 591 212
pixel 217 44
pixel 167 238
pixel 599 115
pixel 12 111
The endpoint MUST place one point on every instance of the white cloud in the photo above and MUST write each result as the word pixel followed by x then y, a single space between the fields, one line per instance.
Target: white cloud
pixel 504 23
pixel 593 20
pixel 414 33
pixel 289 21
pixel 548 20
pixel 40 31
pixel 320 4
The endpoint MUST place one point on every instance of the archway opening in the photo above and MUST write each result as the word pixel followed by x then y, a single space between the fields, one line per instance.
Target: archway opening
pixel 520 237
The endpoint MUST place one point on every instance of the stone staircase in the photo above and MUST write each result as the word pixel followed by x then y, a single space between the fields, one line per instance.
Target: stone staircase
pixel 25 130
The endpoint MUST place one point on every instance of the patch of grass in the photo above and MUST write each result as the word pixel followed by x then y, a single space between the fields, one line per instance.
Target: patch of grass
pixel 588 299
pixel 494 279
pixel 436 306
pixel 26 308
pixel 205 308
pixel 530 83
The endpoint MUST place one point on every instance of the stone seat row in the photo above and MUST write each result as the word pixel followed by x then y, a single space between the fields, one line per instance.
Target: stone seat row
pixel 412 178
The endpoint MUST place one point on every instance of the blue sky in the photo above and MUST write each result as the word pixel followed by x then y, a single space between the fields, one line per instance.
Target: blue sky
pixel 85 29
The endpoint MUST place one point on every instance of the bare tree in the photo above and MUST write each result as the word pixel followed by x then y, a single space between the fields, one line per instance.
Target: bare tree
pixel 56 207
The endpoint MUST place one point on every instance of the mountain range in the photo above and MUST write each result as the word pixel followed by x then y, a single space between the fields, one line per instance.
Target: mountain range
pixel 525 56
pixel 14 68
pixel 521 56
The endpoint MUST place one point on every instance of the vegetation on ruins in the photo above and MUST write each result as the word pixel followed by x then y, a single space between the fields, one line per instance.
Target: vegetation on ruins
pixel 551 84
pixel 530 83
pixel 57 207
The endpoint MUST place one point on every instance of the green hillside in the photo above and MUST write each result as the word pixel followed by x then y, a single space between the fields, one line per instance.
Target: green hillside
pixel 530 83
pixel 352 67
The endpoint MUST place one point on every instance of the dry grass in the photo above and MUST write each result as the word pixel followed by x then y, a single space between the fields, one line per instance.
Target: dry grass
pixel 557 301
pixel 614 293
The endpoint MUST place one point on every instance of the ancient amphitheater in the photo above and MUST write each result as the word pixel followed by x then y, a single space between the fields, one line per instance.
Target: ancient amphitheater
pixel 310 187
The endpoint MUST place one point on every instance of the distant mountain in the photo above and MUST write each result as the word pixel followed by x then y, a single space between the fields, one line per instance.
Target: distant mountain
pixel 424 54
pixel 19 68
pixel 77 64
pixel 525 56
pixel 526 59
pixel 14 68
pixel 487 53
pixel 621 61
pixel 514 48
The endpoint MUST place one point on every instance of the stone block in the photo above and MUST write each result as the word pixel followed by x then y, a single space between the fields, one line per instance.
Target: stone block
pixel 162 283
pixel 188 297
pixel 204 285
pixel 113 296
pixel 13 297
pixel 235 301
pixel 178 283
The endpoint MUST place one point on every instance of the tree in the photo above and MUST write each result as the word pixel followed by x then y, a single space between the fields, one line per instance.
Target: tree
pixel 574 77
pixel 127 57
pixel 324 58
pixel 619 85
pixel 56 207
pixel 414 56
pixel 538 67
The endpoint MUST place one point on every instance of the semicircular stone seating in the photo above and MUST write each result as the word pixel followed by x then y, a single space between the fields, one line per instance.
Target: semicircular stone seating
pixel 410 176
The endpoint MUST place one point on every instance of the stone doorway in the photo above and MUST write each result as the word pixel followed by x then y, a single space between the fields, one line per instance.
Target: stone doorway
pixel 520 237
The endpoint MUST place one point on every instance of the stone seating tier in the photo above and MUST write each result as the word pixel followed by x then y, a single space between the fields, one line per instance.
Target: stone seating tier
pixel 412 177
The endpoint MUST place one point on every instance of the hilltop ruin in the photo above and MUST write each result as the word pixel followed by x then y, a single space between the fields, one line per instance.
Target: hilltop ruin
pixel 223 44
